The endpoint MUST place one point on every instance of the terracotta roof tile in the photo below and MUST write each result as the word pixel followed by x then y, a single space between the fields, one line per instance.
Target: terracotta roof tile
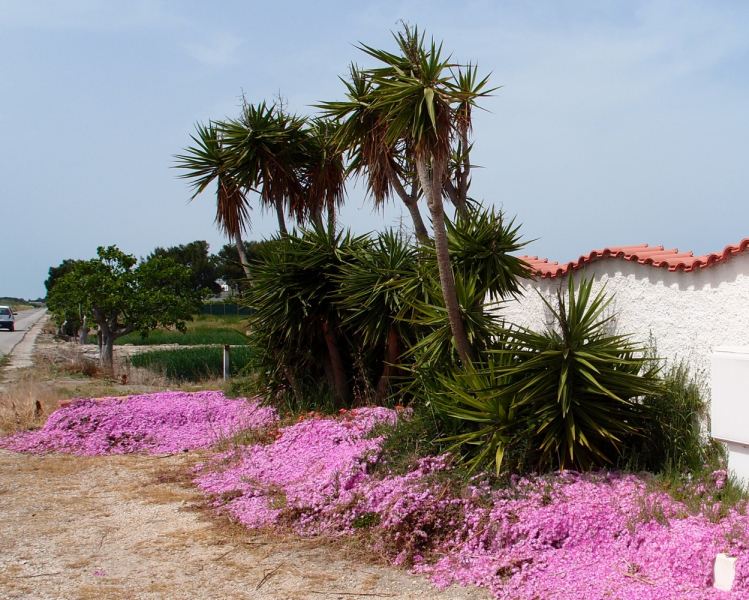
pixel 672 259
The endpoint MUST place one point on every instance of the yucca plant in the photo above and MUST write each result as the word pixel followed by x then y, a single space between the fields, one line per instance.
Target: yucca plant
pixel 387 167
pixel 581 384
pixel 323 173
pixel 491 420
pixel 435 346
pixel 373 295
pixel 265 149
pixel 483 242
pixel 295 321
pixel 418 96
pixel 406 120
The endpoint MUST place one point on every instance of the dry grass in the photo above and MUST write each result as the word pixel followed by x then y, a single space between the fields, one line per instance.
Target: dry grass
pixel 63 371
pixel 71 371
pixel 26 404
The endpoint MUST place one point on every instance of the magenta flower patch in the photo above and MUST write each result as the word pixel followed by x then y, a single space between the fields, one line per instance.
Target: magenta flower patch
pixel 154 423
pixel 593 536
pixel 596 536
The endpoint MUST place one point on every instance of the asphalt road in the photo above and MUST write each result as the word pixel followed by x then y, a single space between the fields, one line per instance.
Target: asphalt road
pixel 25 320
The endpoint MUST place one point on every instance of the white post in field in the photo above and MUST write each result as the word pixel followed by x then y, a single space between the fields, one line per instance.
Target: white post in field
pixel 226 362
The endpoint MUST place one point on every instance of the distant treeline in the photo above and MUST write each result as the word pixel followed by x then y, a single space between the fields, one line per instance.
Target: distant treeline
pixel 6 300
pixel 209 271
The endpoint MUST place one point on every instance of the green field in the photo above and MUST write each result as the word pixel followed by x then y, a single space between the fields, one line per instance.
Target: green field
pixel 204 330
pixel 193 364
pixel 196 336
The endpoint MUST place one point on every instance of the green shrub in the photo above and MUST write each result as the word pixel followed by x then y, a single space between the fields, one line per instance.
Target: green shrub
pixel 193 364
pixel 572 389
pixel 672 438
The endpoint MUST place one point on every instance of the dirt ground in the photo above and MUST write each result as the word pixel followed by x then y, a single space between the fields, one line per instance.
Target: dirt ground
pixel 131 527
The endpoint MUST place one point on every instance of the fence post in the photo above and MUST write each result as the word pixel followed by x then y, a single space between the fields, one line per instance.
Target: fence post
pixel 226 362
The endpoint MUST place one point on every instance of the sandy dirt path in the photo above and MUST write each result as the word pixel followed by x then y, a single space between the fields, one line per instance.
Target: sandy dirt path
pixel 129 527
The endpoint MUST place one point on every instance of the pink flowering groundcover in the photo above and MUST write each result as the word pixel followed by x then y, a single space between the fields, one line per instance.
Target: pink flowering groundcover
pixel 161 423
pixel 584 536
pixel 591 536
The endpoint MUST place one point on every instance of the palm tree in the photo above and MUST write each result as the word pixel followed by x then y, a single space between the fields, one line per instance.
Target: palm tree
pixel 388 167
pixel 323 173
pixel 207 162
pixel 265 149
pixel 424 106
pixel 468 88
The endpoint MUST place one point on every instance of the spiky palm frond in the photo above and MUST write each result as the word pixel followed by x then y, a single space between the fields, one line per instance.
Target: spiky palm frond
pixel 468 88
pixel 323 173
pixel 360 134
pixel 416 102
pixel 373 288
pixel 264 149
pixel 207 161
pixel 491 420
pixel 482 241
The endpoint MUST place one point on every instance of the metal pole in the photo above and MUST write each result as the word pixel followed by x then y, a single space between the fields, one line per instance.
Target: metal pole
pixel 226 362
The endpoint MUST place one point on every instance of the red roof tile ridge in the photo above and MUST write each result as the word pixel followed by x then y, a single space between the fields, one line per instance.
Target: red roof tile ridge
pixel 643 254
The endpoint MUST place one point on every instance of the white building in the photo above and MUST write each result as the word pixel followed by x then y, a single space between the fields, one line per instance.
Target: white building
pixel 687 305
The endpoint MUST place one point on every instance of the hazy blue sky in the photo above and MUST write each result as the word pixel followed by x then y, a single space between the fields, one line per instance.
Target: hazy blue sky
pixel 617 123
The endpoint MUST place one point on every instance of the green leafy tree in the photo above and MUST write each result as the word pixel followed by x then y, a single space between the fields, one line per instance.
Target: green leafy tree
pixel 55 273
pixel 122 295
pixel 74 322
pixel 203 266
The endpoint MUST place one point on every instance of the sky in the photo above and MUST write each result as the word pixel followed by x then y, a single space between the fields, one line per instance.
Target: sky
pixel 617 122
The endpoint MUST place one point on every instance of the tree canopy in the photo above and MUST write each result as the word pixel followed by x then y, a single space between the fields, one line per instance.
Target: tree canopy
pixel 202 264
pixel 123 295
pixel 55 273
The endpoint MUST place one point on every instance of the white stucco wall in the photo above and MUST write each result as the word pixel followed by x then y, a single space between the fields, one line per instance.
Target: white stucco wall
pixel 687 314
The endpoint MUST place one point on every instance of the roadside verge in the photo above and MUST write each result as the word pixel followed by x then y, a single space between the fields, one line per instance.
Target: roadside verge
pixel 21 354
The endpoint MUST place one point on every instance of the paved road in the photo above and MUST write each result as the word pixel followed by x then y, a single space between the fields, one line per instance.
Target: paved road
pixel 25 319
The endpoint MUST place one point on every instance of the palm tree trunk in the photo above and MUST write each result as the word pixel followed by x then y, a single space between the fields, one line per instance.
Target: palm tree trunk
pixel 316 218
pixel 343 392
pixel 411 202
pixel 421 231
pixel 461 206
pixel 281 218
pixel 331 218
pixel 431 183
pixel 392 355
pixel 242 254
